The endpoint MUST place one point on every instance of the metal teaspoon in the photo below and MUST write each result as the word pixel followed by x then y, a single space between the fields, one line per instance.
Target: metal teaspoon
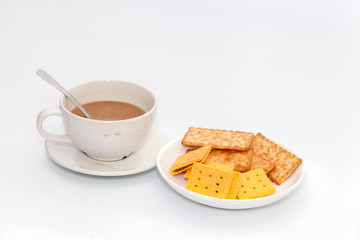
pixel 44 75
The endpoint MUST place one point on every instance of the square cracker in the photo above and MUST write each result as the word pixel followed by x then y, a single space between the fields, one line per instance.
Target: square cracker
pixel 255 184
pixel 185 161
pixel 239 160
pixel 218 155
pixel 220 139
pixel 187 173
pixel 214 164
pixel 180 170
pixel 259 162
pixel 285 162
pixel 209 181
pixel 219 165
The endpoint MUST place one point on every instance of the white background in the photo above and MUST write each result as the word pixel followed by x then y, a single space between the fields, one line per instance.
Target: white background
pixel 288 69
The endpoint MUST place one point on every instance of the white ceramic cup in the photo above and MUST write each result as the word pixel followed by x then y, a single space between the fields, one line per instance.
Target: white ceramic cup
pixel 103 140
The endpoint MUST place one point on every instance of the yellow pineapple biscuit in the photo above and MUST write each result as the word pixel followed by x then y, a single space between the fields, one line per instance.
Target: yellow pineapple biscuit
pixel 187 174
pixel 259 162
pixel 235 185
pixel 209 181
pixel 220 139
pixel 219 165
pixel 185 161
pixel 255 184
pixel 180 170
pixel 214 164
pixel 285 162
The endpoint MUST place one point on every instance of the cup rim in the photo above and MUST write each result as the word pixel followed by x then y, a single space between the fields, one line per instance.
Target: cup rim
pixel 107 121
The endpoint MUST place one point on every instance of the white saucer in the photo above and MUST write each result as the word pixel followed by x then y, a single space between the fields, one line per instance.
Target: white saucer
pixel 144 159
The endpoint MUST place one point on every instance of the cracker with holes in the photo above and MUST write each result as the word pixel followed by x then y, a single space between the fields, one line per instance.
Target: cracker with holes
pixel 185 161
pixel 209 181
pixel 214 164
pixel 219 139
pixel 219 165
pixel 285 162
pixel 187 173
pixel 255 184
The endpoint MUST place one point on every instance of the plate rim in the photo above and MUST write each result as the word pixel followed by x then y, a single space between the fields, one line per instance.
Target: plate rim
pixel 229 203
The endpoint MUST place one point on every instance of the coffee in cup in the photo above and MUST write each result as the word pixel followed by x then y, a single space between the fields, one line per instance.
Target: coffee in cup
pixel 122 117
pixel 110 110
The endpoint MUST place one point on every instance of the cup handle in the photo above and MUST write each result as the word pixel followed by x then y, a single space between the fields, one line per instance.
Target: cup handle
pixel 50 136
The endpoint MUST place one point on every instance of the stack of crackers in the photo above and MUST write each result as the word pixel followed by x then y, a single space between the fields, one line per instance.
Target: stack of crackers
pixel 232 164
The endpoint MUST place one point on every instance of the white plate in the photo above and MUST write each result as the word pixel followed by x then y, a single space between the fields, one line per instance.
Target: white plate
pixel 144 159
pixel 173 149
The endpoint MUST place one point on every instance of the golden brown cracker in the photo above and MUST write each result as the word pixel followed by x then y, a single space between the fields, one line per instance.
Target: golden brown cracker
pixel 255 184
pixel 259 162
pixel 220 139
pixel 240 160
pixel 285 161
pixel 217 155
pixel 184 162
pixel 209 181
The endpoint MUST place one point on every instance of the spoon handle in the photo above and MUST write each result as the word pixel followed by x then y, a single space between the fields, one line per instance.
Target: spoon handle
pixel 44 75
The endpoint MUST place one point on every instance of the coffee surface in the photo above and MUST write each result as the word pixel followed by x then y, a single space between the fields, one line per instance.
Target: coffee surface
pixel 110 110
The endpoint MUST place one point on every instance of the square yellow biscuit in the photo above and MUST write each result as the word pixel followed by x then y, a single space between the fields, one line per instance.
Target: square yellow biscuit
pixel 209 181
pixel 180 170
pixel 235 185
pixel 187 174
pixel 255 184
pixel 184 162
pixel 219 165
pixel 214 164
